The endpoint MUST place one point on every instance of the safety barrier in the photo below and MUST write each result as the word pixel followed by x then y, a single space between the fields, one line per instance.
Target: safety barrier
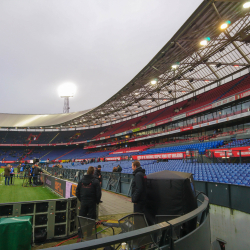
pixel 162 234
pixel 221 194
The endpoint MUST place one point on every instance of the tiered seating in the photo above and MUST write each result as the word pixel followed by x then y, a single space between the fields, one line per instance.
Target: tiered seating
pixel 108 166
pixel 209 97
pixel 237 143
pixel 237 174
pixel 75 153
pixel 201 147
pixel 56 153
pixel 97 154
pixel 38 153
pixel 129 149
pixel 12 154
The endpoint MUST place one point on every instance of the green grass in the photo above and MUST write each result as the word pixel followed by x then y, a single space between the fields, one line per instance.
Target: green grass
pixel 17 193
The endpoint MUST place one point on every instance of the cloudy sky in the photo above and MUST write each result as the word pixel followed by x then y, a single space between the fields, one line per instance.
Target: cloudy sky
pixel 100 45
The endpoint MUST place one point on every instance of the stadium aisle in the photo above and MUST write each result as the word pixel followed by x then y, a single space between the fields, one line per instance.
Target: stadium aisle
pixel 114 204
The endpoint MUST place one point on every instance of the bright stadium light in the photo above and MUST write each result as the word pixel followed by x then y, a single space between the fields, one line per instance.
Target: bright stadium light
pixel 66 90
pixel 225 25
pixel 204 42
pixel 154 81
pixel 174 66
pixel 246 5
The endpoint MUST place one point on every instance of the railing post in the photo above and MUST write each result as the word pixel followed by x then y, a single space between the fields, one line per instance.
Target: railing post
pixel 240 157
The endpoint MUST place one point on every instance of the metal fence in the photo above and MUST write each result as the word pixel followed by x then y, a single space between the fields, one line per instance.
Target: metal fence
pixel 162 234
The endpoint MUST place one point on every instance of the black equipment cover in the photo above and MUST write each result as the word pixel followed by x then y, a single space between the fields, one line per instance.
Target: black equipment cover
pixel 171 193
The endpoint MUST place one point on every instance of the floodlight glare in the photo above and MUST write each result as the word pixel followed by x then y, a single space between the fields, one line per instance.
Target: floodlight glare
pixel 203 42
pixel 175 66
pixel 67 89
pixel 246 5
pixel 224 26
pixel 153 82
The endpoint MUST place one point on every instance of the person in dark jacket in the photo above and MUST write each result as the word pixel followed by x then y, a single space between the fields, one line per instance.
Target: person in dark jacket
pixel 138 187
pixel 88 192
pixel 98 174
pixel 30 174
pixel 119 169
pixel 36 172
pixel 7 174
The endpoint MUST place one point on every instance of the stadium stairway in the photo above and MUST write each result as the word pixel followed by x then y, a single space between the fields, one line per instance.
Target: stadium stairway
pixel 46 154
pixel 54 137
pixel 65 154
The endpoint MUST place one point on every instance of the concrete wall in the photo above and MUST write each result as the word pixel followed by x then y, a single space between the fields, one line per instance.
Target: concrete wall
pixel 231 226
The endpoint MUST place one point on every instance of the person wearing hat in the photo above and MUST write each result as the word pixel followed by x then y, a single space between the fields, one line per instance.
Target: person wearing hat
pixel 98 175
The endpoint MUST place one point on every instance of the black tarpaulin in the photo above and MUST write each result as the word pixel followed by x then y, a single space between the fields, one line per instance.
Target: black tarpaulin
pixel 170 193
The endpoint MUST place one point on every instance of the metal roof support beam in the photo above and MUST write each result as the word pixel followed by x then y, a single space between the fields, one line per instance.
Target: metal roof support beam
pixel 211 69
pixel 229 37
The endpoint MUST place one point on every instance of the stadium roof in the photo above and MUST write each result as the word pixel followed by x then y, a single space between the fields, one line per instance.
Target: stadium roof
pixel 180 70
pixel 19 120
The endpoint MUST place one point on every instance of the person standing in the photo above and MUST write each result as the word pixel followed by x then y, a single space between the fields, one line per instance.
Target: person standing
pixel 36 173
pixel 30 174
pixel 11 174
pixel 98 175
pixel 18 170
pixel 7 175
pixel 88 192
pixel 138 187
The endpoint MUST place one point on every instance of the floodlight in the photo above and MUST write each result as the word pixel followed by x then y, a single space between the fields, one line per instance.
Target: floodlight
pixel 246 5
pixel 204 42
pixel 224 26
pixel 67 89
pixel 176 65
pixel 153 82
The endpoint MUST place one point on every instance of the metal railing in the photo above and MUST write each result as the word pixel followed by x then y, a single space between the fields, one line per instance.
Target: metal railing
pixel 163 231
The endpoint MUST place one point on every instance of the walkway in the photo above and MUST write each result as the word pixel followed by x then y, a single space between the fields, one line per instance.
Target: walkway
pixel 114 204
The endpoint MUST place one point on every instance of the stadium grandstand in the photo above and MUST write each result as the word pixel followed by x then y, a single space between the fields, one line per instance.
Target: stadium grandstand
pixel 187 110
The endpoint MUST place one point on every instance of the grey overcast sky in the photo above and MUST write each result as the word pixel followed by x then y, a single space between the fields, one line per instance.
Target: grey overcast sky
pixel 100 45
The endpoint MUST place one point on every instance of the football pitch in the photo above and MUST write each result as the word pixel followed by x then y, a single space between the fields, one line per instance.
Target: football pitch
pixel 18 193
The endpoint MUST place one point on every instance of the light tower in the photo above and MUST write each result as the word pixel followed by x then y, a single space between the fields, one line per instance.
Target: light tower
pixel 66 91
